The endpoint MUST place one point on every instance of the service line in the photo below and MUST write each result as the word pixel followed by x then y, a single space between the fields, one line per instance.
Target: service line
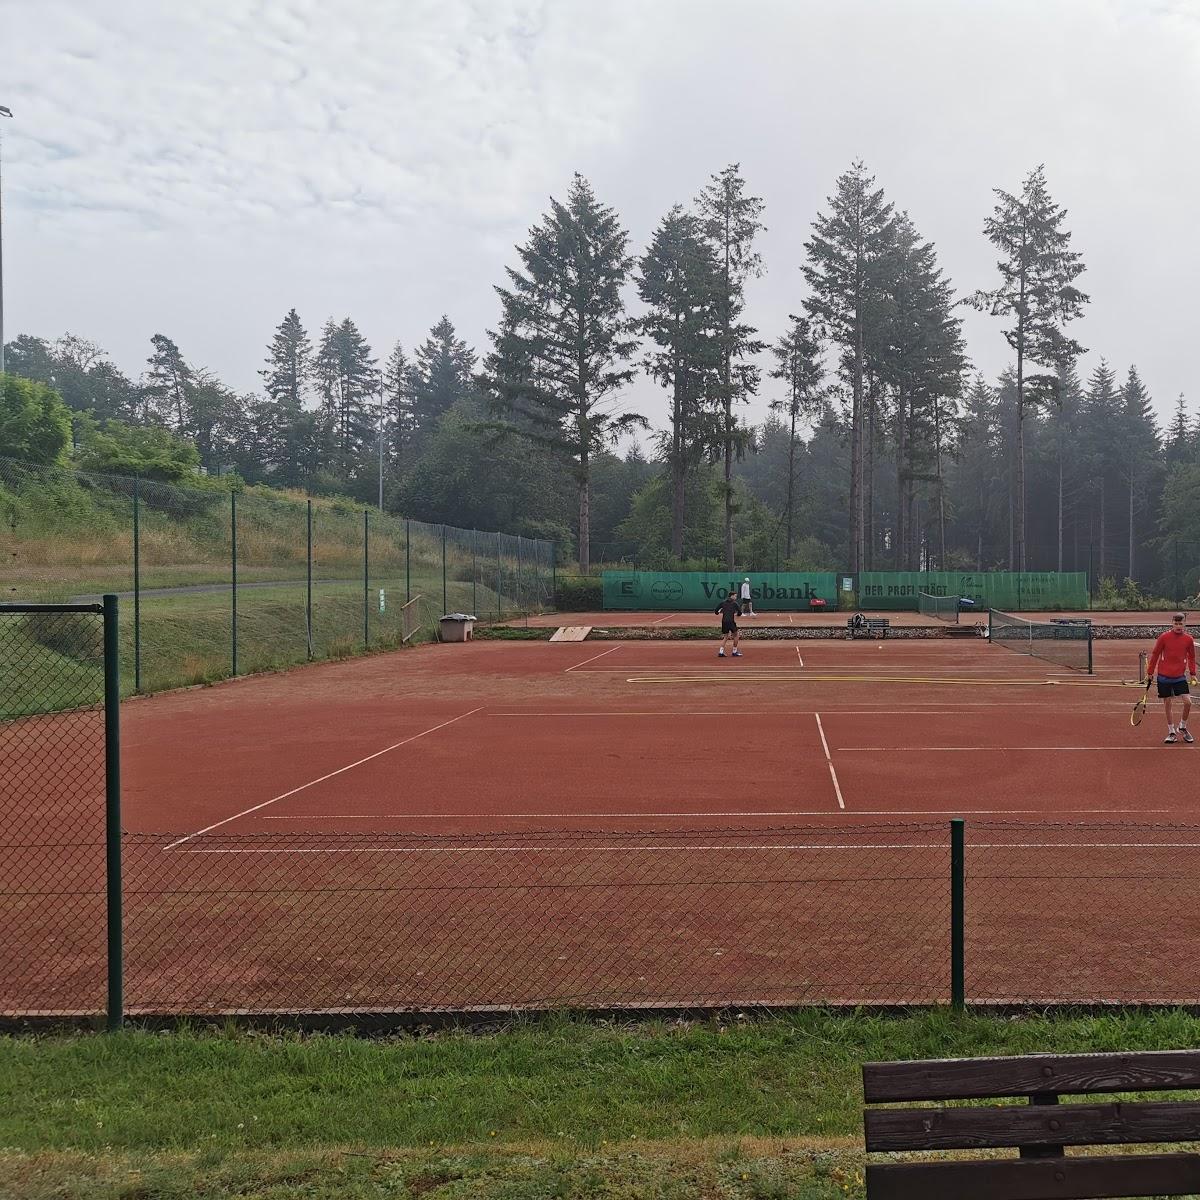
pixel 837 789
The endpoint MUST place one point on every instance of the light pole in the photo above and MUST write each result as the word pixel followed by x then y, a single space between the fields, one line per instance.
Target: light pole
pixel 4 112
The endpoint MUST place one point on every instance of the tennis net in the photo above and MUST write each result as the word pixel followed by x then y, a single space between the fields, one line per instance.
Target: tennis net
pixel 944 608
pixel 1065 642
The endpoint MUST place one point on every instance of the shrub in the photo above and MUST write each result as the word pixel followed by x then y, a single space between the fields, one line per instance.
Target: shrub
pixel 579 593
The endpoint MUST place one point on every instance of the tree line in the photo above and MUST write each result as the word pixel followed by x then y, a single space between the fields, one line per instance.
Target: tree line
pixel 883 449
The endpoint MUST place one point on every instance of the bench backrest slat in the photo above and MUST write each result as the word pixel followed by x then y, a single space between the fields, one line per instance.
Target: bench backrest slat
pixel 1019 1125
pixel 1062 1074
pixel 1038 1178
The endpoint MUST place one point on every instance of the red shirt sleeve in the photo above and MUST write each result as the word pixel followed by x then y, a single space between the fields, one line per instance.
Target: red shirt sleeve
pixel 1191 656
pixel 1155 655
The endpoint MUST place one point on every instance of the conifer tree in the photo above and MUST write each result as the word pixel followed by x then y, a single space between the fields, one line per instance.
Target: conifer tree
pixel 287 374
pixel 347 380
pixel 1103 422
pixel 563 341
pixel 730 222
pixel 847 270
pixel 798 363
pixel 168 383
pixel 1140 445
pixel 443 373
pixel 678 280
pixel 1038 270
pixel 398 387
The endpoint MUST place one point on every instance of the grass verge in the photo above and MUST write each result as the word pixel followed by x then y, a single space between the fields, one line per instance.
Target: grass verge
pixel 552 1108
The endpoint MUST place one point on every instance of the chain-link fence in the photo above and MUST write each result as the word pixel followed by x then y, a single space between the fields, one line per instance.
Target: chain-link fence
pixel 219 581
pixel 60 843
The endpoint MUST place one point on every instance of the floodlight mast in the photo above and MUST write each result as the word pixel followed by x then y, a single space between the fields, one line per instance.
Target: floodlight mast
pixel 4 112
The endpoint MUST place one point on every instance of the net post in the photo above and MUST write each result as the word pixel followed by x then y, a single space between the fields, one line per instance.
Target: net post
pixel 958 991
pixel 115 1014
pixel 308 609
pixel 233 655
pixel 137 586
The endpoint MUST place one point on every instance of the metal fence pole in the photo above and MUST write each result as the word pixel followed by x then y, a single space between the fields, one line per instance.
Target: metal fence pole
pixel 137 587
pixel 958 990
pixel 553 578
pixel 445 607
pixel 366 577
pixel 520 598
pixel 499 575
pixel 233 577
pixel 112 811
pixel 407 560
pixel 308 610
pixel 474 574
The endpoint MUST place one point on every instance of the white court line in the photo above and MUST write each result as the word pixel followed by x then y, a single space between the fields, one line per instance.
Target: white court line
pixel 799 656
pixel 671 847
pixel 662 619
pixel 829 759
pixel 592 659
pixel 313 782
pixel 979 749
pixel 811 812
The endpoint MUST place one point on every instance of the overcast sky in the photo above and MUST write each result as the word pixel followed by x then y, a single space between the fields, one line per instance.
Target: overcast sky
pixel 198 168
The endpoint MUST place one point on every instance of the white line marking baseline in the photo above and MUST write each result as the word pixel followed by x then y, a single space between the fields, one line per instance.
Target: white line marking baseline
pixel 671 847
pixel 313 782
pixel 829 760
pixel 979 749
pixel 662 619
pixel 592 659
pixel 813 812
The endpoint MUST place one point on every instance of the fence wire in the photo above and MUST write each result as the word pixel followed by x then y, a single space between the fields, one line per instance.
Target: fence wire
pixel 52 845
pixel 219 579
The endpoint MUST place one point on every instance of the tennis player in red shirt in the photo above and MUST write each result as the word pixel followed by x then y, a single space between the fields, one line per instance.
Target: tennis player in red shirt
pixel 1171 664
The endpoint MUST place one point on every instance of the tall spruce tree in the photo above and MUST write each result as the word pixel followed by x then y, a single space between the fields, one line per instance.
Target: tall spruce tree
pixel 678 280
pixel 847 270
pixel 1141 449
pixel 347 382
pixel 561 347
pixel 398 388
pixel 1101 449
pixel 731 222
pixel 443 373
pixel 1180 440
pixel 288 371
pixel 797 357
pixel 1038 270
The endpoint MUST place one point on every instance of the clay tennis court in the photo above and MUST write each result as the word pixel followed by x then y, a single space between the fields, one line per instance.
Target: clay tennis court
pixel 498 825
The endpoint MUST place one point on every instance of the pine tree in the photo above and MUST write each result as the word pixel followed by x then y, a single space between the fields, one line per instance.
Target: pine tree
pixel 563 340
pixel 443 373
pixel 1140 453
pixel 977 455
pixel 347 381
pixel 398 388
pixel 797 362
pixel 168 383
pixel 847 270
pixel 1180 436
pixel 678 281
pixel 730 222
pixel 1037 271
pixel 288 372
pixel 1102 432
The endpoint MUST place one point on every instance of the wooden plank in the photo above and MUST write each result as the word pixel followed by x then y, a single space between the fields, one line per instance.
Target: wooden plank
pixel 987 1078
pixel 1110 1124
pixel 1095 1178
pixel 571 633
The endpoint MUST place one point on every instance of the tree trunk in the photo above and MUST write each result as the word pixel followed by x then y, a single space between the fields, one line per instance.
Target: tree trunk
pixel 869 482
pixel 1060 501
pixel 1102 564
pixel 1020 498
pixel 585 518
pixel 1131 574
pixel 856 454
pixel 900 556
pixel 728 477
pixel 791 491
pixel 677 469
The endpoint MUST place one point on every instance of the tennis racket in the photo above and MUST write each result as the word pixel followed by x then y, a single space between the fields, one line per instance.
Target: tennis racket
pixel 1139 709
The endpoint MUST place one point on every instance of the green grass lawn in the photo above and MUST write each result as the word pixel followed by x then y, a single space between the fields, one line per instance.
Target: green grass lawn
pixel 555 1108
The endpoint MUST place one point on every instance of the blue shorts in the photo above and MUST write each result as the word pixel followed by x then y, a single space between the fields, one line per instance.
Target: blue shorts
pixel 1172 687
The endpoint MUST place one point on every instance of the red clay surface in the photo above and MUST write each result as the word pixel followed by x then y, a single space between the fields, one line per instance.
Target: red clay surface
pixel 500 824
pixel 690 620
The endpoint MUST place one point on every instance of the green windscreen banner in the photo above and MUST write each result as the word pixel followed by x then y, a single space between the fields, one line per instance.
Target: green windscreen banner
pixel 702 591
pixel 1019 591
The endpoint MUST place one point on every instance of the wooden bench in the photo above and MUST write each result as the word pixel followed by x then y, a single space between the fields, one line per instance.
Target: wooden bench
pixel 1041 1129
pixel 876 627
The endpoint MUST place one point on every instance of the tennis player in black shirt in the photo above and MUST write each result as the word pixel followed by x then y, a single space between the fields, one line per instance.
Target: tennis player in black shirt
pixel 729 610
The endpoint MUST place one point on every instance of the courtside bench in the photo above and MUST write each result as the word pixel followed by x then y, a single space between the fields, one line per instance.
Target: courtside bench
pixel 876 627
pixel 1040 1129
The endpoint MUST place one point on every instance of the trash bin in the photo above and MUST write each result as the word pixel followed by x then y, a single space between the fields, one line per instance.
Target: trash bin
pixel 457 627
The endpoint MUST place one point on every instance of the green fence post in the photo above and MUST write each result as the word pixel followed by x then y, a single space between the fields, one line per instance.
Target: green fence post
pixel 474 574
pixel 520 598
pixel 366 578
pixel 112 812
pixel 137 587
pixel 407 560
pixel 499 574
pixel 233 576
pixel 553 578
pixel 445 603
pixel 958 990
pixel 308 611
